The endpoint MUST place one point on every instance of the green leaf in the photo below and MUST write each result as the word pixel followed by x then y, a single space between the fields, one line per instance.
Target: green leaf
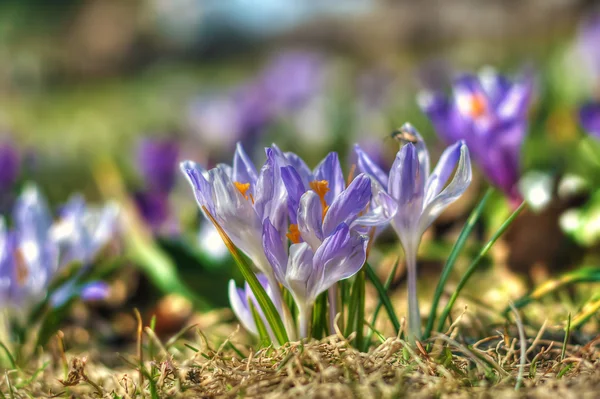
pixel 263 334
pixel 473 266
pixel 265 303
pixel 383 296
pixel 449 266
pixel 386 287
pixel 356 309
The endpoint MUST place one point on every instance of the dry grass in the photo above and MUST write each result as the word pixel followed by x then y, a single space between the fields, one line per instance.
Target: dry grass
pixel 330 368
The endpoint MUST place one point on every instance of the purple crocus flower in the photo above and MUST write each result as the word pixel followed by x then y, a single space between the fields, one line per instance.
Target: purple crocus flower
pixel 421 196
pixel 240 299
pixel 307 273
pixel 589 117
pixel 37 248
pixel 318 201
pixel 490 114
pixel 239 198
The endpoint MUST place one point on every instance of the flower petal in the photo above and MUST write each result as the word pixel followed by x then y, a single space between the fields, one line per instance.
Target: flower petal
pixel 300 166
pixel 347 206
pixel 454 189
pixel 341 256
pixel 310 219
pixel 274 250
pixel 443 171
pixel 366 165
pixel 202 189
pixel 330 170
pixel 244 170
pixel 299 271
pixel 239 305
pixel 271 193
pixel 382 210
pixel 295 188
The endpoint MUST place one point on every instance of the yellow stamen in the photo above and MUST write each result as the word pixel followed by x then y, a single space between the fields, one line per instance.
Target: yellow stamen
pixel 294 234
pixel 321 187
pixel 243 188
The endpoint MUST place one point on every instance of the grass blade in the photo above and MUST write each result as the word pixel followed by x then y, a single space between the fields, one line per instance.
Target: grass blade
pixel 383 296
pixel 473 266
pixel 589 310
pixel 566 340
pixel 449 265
pixel 259 292
pixel 9 356
pixel 263 334
pixel 386 287
pixel 360 310
pixel 585 274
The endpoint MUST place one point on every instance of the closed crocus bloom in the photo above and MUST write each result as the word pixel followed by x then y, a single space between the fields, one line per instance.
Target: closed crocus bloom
pixel 589 117
pixel 420 195
pixel 308 272
pixel 490 114
pixel 239 199
pixel 240 299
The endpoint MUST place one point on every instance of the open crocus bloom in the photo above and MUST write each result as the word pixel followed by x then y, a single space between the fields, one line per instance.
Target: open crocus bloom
pixel 240 299
pixel 307 273
pixel 490 114
pixel 239 199
pixel 589 117
pixel 420 195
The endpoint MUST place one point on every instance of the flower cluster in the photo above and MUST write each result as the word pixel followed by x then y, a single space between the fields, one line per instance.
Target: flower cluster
pixel 305 229
pixel 37 249
pixel 489 113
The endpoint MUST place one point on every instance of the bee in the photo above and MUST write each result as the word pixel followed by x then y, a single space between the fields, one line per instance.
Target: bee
pixel 404 136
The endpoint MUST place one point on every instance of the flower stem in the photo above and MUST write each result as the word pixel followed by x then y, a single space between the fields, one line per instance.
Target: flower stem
pixel 279 304
pixel 304 314
pixel 414 316
pixel 333 300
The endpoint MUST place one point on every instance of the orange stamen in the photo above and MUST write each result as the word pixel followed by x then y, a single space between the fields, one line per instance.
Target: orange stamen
pixel 477 106
pixel 321 187
pixel 243 188
pixel 294 234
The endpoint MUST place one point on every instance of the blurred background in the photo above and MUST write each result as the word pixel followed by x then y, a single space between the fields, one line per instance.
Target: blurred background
pixel 90 86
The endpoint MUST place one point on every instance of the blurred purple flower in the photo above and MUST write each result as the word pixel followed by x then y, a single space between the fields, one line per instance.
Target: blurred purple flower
pixel 37 248
pixel 490 114
pixel 240 299
pixel 157 160
pixel 587 43
pixel 291 78
pixel 420 196
pixel 154 208
pixel 589 117
pixel 10 165
pixel 82 231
